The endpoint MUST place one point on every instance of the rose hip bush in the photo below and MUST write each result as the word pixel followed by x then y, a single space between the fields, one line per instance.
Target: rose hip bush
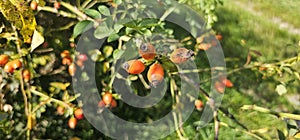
pixel 38 59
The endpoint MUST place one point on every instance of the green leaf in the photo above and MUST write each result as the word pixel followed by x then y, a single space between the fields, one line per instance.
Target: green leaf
pixel 104 10
pixel 129 30
pixel 113 37
pixel 280 135
pixel 148 23
pixel 280 89
pixel 81 27
pixel 102 31
pixel 117 2
pixel 287 69
pixel 59 85
pixel 37 40
pixel 130 24
pixel 147 33
pixel 109 22
pixel 117 54
pixel 118 27
pixel 92 13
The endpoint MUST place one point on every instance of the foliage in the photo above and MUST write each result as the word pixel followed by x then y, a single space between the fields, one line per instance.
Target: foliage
pixel 208 8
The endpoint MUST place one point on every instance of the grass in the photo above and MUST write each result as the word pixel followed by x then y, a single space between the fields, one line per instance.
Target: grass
pixel 244 30
pixel 287 10
pixel 237 25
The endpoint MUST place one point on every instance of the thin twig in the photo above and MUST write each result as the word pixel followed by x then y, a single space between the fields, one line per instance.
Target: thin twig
pixel 50 98
pixel 91 4
pixel 173 90
pixel 143 81
pixel 66 27
pixel 75 10
pixel 26 105
pixel 85 3
pixel 217 124
pixel 265 110
pixel 59 12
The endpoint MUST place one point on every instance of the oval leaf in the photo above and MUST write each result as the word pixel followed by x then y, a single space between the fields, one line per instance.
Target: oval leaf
pixel 104 10
pixel 102 31
pixel 113 37
pixel 92 13
pixel 81 27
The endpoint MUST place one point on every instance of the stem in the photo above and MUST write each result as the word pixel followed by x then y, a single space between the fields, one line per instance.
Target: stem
pixel 143 81
pixel 217 125
pixel 78 3
pixel 265 110
pixel 26 105
pixel 192 71
pixel 289 115
pixel 40 105
pixel 75 10
pixel 85 3
pixel 267 65
pixel 59 12
pixel 91 4
pixel 32 90
pixel 176 124
pixel 113 68
pixel 66 27
pixel 173 89
pixel 24 95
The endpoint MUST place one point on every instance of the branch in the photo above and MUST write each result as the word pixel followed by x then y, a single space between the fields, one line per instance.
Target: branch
pixel 50 98
pixel 265 110
pixel 59 12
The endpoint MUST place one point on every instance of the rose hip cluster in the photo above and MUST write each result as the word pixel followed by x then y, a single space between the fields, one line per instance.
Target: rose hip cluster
pixel 11 66
pixel 67 60
pixel 77 115
pixel 107 101
pixel 155 73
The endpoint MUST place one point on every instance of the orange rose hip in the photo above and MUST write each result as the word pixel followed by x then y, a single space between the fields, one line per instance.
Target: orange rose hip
pixel 181 55
pixel 3 59
pixel 155 74
pixel 26 75
pixel 72 122
pixel 107 98
pixel 134 66
pixel 147 51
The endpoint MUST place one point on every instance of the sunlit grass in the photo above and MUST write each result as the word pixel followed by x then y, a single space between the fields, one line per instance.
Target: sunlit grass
pixel 244 30
pixel 287 10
